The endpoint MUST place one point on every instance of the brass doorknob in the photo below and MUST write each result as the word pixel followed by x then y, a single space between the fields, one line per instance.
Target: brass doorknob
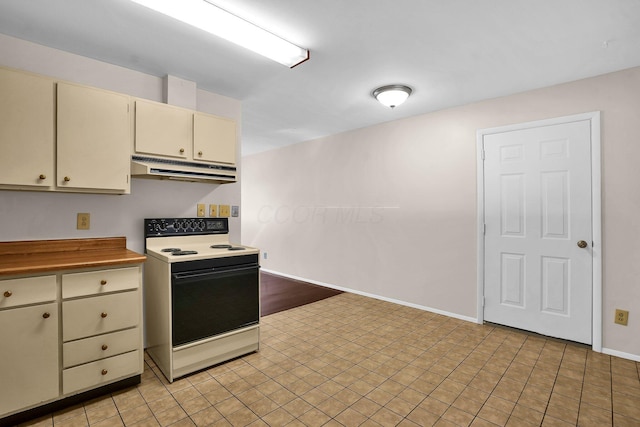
pixel 42 176
pixel 104 346
pixel 46 315
pixel 67 179
pixel 104 372
pixel 7 294
pixel 199 153
pixel 103 282
pixel 181 150
pixel 103 314
pixel 582 244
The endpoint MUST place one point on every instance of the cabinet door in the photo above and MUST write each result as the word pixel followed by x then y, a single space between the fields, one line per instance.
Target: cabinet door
pixel 26 129
pixel 94 139
pixel 163 130
pixel 214 139
pixel 29 369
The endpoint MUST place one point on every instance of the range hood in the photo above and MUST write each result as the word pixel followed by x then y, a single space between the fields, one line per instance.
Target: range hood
pixel 151 167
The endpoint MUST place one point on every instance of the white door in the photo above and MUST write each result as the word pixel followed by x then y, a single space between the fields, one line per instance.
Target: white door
pixel 538 229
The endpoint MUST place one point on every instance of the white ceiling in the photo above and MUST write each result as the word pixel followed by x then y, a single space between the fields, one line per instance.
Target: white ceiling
pixel 451 52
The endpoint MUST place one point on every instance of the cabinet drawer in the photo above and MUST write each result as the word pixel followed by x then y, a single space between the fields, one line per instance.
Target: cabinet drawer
pixel 93 316
pixel 94 348
pixel 30 290
pixel 98 282
pixel 101 372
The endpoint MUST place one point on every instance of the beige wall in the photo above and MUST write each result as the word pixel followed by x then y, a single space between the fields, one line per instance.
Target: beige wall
pixel 390 210
pixel 28 215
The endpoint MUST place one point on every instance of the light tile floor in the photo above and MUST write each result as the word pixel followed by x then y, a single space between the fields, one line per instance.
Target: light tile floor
pixel 356 361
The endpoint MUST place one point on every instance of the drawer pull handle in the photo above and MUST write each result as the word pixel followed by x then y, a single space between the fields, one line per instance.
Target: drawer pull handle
pixel 103 314
pixel 46 315
pixel 67 179
pixel 105 372
pixel 199 153
pixel 104 346
pixel 181 150
pixel 7 294
pixel 103 282
pixel 42 176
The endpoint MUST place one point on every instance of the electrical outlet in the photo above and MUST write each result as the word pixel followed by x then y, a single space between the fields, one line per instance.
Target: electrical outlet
pixel 235 211
pixel 622 317
pixel 224 211
pixel 213 211
pixel 264 255
pixel 84 221
pixel 201 209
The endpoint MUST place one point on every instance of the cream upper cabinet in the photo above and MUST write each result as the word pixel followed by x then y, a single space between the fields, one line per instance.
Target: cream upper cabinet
pixel 27 129
pixel 93 139
pixel 214 138
pixel 163 130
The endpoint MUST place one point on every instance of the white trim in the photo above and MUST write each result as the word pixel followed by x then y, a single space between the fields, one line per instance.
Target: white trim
pixel 366 294
pixel 596 212
pixel 621 354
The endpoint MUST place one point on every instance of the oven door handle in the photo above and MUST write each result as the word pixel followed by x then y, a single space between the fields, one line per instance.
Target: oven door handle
pixel 213 271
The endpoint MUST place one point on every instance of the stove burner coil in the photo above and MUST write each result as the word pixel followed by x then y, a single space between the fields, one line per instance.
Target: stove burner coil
pixel 184 253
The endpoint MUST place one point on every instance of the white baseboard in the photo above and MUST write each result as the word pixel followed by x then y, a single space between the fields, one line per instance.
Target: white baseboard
pixel 366 294
pixel 621 354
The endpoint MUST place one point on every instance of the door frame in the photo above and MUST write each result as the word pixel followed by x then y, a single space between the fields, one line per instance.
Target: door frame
pixel 596 211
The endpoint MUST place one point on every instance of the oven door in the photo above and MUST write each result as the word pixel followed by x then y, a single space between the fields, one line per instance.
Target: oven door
pixel 209 301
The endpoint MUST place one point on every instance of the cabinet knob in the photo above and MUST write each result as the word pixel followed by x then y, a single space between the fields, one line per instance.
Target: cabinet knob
pixel 181 150
pixel 46 315
pixel 67 179
pixel 42 176
pixel 103 314
pixel 103 282
pixel 199 153
pixel 104 372
pixel 104 346
pixel 7 294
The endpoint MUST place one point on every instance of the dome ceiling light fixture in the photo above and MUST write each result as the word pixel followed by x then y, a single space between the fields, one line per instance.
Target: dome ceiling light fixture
pixel 392 95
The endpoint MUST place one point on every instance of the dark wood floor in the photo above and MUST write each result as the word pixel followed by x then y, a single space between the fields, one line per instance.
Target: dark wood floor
pixel 279 293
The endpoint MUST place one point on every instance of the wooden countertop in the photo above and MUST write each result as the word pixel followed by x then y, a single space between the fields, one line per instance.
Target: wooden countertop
pixel 38 256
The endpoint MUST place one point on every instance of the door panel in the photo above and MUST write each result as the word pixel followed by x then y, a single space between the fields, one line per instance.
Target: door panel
pixel 537 206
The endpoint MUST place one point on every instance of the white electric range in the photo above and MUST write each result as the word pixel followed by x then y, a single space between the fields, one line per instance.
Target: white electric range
pixel 202 299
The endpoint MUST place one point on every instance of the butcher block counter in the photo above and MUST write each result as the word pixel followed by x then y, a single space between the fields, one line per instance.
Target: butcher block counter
pixel 71 323
pixel 35 256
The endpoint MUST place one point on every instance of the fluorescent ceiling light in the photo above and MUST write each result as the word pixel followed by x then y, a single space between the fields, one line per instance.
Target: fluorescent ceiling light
pixel 208 17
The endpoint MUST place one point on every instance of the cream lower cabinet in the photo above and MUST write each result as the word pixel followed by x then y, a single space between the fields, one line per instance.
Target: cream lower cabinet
pixel 91 318
pixel 101 329
pixel 29 342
